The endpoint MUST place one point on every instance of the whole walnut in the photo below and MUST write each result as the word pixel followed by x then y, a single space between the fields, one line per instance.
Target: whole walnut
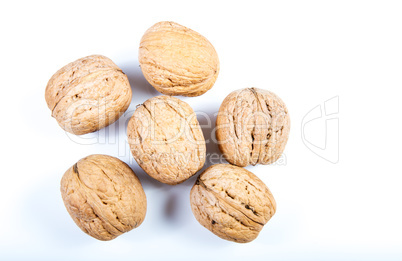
pixel 232 202
pixel 177 60
pixel 252 127
pixel 166 139
pixel 88 94
pixel 103 196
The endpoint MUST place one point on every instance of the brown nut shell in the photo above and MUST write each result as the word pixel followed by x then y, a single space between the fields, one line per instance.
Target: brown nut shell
pixel 176 60
pixel 88 94
pixel 252 127
pixel 166 139
pixel 103 196
pixel 232 202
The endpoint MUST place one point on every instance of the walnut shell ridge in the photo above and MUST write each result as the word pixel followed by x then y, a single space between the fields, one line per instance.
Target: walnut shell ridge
pixel 166 139
pixel 252 127
pixel 103 196
pixel 176 60
pixel 231 202
pixel 88 94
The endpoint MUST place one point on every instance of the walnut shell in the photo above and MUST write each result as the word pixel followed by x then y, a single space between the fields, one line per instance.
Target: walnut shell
pixel 252 127
pixel 231 202
pixel 103 196
pixel 166 139
pixel 88 94
pixel 177 60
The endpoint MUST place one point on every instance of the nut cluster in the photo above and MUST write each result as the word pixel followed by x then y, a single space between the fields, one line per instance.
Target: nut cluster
pixel 104 196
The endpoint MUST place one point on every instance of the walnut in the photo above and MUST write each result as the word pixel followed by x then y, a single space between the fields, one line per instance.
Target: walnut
pixel 103 196
pixel 88 94
pixel 232 202
pixel 252 127
pixel 177 60
pixel 166 139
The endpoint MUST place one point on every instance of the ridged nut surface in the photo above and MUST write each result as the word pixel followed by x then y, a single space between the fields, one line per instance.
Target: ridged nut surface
pixel 103 196
pixel 166 139
pixel 177 60
pixel 88 94
pixel 232 202
pixel 252 127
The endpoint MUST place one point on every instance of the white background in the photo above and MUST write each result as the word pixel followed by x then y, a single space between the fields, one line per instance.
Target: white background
pixel 307 52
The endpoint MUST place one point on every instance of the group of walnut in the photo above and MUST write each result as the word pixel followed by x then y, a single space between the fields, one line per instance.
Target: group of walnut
pixel 104 196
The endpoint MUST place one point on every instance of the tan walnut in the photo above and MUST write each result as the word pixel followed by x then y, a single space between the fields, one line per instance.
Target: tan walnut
pixel 252 127
pixel 177 60
pixel 232 202
pixel 88 94
pixel 103 196
pixel 166 139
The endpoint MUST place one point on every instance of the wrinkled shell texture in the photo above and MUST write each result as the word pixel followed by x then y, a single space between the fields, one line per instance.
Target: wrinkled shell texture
pixel 103 196
pixel 232 202
pixel 177 60
pixel 166 139
pixel 88 94
pixel 252 127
